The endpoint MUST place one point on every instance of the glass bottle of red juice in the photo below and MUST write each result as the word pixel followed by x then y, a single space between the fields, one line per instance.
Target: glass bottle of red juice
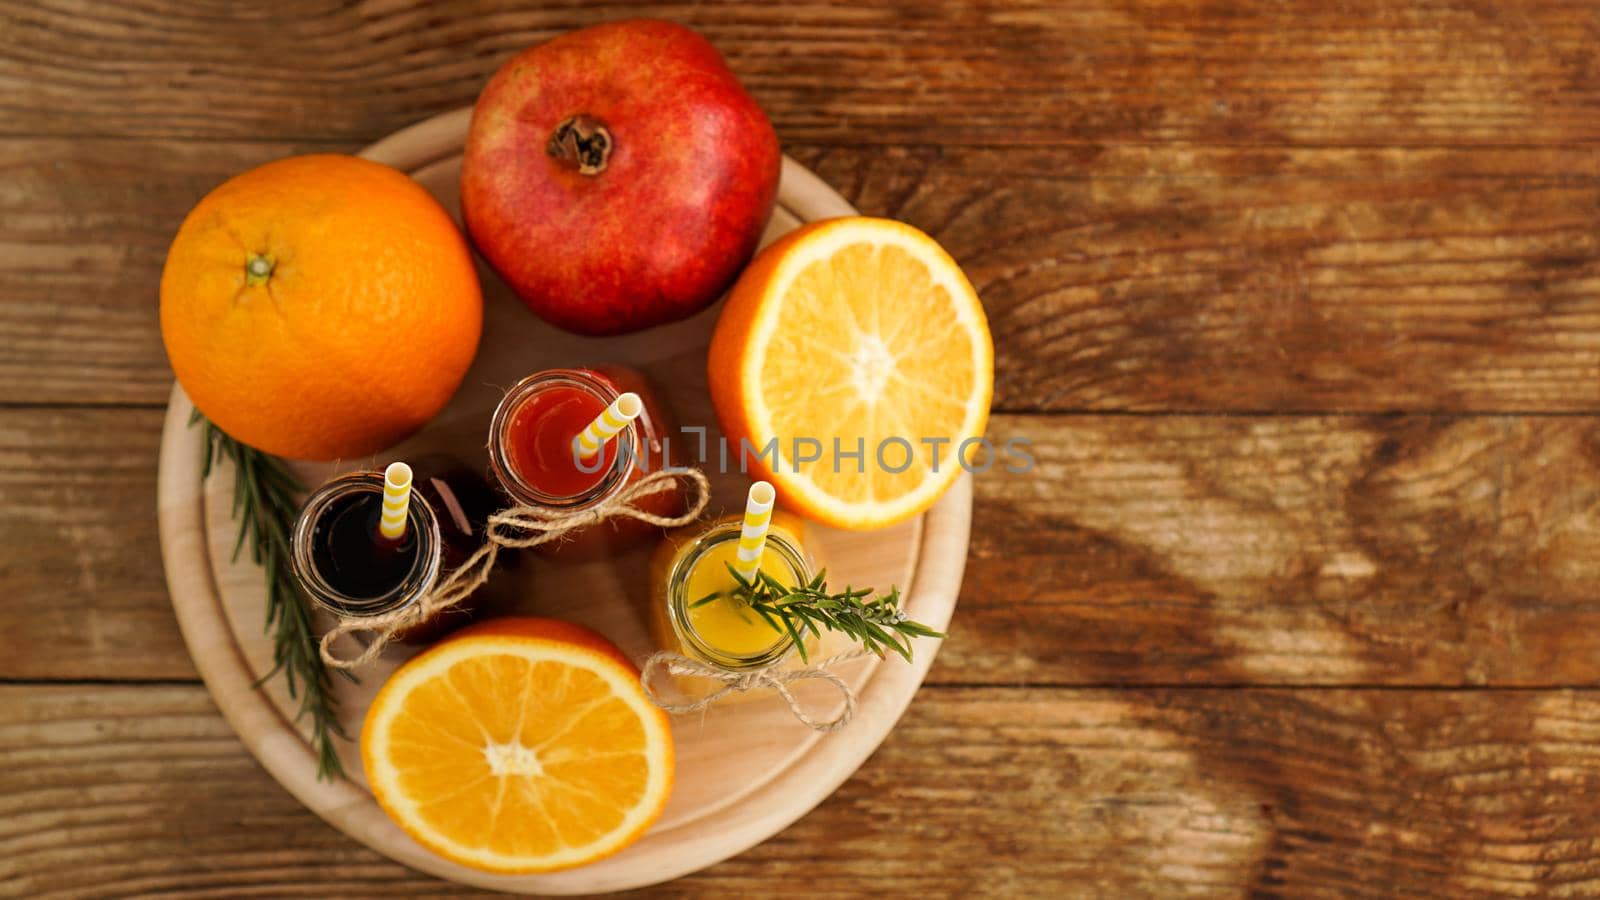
pixel 531 454
pixel 347 567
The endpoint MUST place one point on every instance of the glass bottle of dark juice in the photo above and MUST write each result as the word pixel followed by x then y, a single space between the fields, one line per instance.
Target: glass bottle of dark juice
pixel 347 567
pixel 531 454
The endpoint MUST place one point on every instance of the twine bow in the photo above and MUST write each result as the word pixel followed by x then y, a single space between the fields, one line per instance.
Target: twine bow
pixel 518 527
pixel 739 682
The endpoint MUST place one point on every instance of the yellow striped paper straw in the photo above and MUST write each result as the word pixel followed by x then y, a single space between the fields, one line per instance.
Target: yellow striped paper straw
pixel 753 536
pixel 396 500
pixel 605 426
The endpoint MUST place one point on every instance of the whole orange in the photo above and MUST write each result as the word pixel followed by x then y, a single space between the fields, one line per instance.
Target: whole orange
pixel 320 307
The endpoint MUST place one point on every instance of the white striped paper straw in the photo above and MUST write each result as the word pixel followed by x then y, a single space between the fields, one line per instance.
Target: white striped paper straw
pixel 396 500
pixel 605 426
pixel 753 535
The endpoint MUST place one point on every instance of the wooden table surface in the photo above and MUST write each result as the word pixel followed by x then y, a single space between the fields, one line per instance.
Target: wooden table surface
pixel 1298 303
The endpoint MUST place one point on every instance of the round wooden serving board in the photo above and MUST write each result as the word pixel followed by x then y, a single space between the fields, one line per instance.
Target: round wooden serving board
pixel 745 769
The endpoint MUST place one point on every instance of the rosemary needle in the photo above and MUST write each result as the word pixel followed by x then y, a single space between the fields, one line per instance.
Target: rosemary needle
pixel 264 503
pixel 877 623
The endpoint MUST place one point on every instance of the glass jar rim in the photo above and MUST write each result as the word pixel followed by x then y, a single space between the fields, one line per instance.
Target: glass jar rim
pixel 685 561
pixel 418 582
pixel 505 472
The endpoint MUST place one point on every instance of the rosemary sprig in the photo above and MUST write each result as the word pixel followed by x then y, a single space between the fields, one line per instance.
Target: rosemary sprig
pixel 264 505
pixel 877 623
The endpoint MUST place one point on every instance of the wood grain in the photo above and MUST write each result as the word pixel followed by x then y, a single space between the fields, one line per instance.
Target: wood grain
pixel 1334 550
pixel 936 71
pixel 80 564
pixel 1147 279
pixel 1452 794
pixel 1260 550
pixel 1288 207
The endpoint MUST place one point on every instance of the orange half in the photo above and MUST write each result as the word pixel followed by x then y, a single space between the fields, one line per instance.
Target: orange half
pixel 854 335
pixel 517 746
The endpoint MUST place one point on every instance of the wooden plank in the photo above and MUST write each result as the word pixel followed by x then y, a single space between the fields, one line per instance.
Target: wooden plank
pixel 1140 550
pixel 1330 550
pixel 79 556
pixel 979 792
pixel 1133 278
pixel 1372 72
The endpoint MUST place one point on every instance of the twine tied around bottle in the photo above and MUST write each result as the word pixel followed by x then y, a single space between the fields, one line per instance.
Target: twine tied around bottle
pixel 518 527
pixel 767 677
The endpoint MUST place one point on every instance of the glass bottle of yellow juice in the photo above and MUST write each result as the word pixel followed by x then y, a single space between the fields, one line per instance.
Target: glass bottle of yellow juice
pixel 692 565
